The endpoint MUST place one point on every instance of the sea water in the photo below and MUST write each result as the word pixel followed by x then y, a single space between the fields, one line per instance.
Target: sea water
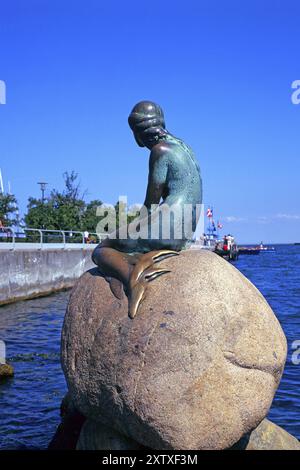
pixel 31 329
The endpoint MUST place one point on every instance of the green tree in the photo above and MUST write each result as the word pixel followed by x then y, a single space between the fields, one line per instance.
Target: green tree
pixel 61 211
pixel 40 214
pixel 89 219
pixel 8 209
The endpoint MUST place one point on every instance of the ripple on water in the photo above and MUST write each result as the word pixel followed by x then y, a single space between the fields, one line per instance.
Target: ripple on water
pixel 30 402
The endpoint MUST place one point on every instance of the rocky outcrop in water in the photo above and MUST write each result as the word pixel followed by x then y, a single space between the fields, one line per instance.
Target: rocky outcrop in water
pixel 197 368
pixel 67 433
pixel 267 436
pixel 6 371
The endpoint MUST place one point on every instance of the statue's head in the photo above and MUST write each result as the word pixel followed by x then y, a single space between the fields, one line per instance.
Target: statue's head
pixel 147 123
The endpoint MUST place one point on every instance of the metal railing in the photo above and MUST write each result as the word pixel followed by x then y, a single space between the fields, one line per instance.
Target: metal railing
pixel 43 237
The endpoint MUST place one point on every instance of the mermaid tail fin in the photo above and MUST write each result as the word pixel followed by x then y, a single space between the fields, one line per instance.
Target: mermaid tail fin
pixel 144 272
pixel 116 287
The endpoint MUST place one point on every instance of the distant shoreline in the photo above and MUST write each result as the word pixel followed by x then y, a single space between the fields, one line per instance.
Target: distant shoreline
pixel 269 244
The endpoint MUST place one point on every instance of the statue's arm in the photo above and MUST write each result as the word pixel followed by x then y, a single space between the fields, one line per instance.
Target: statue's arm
pixel 158 169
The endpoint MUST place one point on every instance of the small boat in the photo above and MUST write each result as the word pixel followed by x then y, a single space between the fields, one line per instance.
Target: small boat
pixel 243 250
pixel 266 249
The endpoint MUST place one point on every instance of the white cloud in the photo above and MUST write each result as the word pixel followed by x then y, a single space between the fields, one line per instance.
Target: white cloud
pixel 261 219
pixel 288 216
pixel 232 218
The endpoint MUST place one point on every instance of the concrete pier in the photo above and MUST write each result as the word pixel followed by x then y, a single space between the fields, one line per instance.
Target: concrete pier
pixel 30 271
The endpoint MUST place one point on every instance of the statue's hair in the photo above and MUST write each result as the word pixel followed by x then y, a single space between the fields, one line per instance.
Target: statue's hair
pixel 146 118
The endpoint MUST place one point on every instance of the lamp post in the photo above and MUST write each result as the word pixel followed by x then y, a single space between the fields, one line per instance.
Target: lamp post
pixel 43 189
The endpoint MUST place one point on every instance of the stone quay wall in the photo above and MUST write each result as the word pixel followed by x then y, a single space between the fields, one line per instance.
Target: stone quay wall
pixel 28 273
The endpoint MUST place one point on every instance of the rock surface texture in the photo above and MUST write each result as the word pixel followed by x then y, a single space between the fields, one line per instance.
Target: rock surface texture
pixel 197 368
pixel 96 436
pixel 6 371
pixel 268 436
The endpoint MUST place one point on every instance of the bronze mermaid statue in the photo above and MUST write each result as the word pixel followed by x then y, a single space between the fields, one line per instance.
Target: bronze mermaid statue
pixel 172 203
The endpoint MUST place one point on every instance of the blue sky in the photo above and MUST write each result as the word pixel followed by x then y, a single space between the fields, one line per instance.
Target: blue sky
pixel 222 71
